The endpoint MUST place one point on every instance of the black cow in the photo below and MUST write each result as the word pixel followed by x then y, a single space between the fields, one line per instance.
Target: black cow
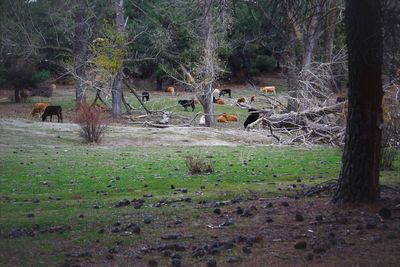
pixel 252 117
pixel 145 96
pixel 53 110
pixel 187 103
pixel 225 91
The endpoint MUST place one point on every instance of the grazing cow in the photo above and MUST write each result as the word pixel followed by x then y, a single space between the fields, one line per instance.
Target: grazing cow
pixel 187 103
pixel 216 93
pixel 241 100
pixel 222 119
pixel 230 117
pixel 38 108
pixel 253 116
pixel 225 91
pixel 145 96
pixel 268 89
pixel 170 90
pixel 53 110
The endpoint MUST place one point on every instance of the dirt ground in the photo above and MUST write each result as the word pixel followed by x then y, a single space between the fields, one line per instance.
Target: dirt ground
pixel 264 232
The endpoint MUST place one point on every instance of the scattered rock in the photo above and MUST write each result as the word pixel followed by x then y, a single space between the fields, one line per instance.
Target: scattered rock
pixel 198 252
pixel 269 220
pixel 319 250
pixel 147 219
pixel 299 218
pixel 211 263
pixel 309 256
pixel 217 211
pixel 301 245
pixel 176 262
pixel 385 213
pixel 239 210
pixel 122 203
pixel 152 263
pixel 246 250
pixel 233 259
pixel 170 237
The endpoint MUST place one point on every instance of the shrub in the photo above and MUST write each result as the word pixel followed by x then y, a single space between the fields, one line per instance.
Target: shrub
pixel 92 123
pixel 40 76
pixel 264 63
pixel 387 158
pixel 199 165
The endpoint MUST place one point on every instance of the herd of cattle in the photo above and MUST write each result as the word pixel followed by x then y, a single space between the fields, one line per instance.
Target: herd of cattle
pixel 45 110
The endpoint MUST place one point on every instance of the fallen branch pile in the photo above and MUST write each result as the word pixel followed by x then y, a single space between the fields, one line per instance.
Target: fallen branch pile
pixel 309 126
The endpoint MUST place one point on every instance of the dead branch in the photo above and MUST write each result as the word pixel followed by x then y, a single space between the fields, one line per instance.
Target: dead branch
pixel 133 91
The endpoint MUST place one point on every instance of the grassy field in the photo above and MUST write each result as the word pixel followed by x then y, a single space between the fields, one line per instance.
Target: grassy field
pixel 59 198
pixel 70 190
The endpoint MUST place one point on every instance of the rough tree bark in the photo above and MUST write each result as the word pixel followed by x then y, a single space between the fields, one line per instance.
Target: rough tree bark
pixel 116 90
pixel 80 50
pixel 359 175
pixel 311 35
pixel 331 19
pixel 205 96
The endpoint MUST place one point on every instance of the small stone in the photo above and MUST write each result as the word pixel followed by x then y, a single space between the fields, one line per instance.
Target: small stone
pixel 301 245
pixel 170 237
pixel 371 225
pixel 269 220
pixel 319 218
pixel 285 204
pixel 309 256
pixel 211 263
pixel 233 259
pixel 239 210
pixel 152 263
pixel 385 213
pixel 81 215
pixel 298 180
pixel 246 250
pixel 176 262
pixel 217 211
pixel 172 186
pixel 299 218
pixel 269 205
pixel 30 215
pixel 319 250
pixel 147 219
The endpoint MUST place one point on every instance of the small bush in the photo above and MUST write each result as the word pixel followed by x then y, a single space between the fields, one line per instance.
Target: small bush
pixel 41 76
pixel 199 165
pixel 264 63
pixel 387 158
pixel 92 123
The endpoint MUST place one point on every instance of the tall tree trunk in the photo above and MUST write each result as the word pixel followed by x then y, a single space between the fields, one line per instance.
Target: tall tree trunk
pixel 116 90
pixel 209 58
pixel 80 50
pixel 359 175
pixel 310 37
pixel 331 20
pixel 17 96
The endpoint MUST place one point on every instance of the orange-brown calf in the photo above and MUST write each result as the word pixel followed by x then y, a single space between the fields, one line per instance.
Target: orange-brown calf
pixel 39 108
pixel 170 90
pixel 268 89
